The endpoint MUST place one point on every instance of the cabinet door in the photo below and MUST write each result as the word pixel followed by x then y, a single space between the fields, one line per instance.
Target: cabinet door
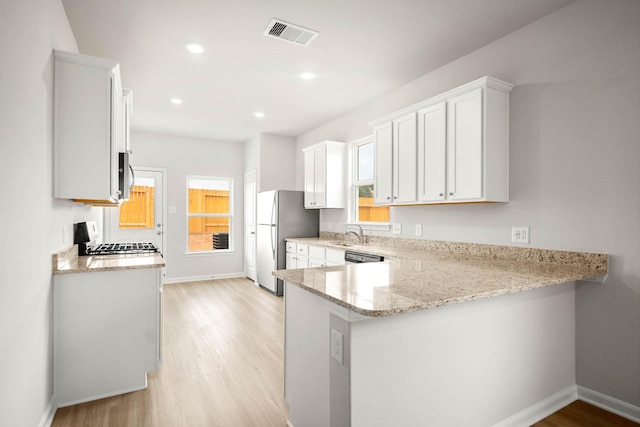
pixel 465 151
pixel 117 131
pixel 320 177
pixel 404 159
pixel 432 143
pixel 383 188
pixel 309 179
pixel 316 262
pixel 127 107
pixel 291 261
pixel 302 261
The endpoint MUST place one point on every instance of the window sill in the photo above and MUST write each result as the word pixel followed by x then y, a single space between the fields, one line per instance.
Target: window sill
pixel 374 226
pixel 217 252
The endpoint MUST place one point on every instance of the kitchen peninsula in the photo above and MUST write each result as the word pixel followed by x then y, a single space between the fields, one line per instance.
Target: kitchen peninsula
pixel 443 333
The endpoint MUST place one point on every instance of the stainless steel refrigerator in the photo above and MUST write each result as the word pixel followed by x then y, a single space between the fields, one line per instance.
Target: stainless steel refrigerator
pixel 280 214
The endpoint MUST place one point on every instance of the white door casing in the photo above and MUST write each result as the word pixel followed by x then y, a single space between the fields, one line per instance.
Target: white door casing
pixel 250 191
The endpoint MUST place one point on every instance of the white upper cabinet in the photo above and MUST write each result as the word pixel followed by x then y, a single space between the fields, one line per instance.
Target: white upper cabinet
pixel 462 147
pixel 383 184
pixel 432 153
pixel 395 178
pixel 324 175
pixel 404 159
pixel 89 130
pixel 127 111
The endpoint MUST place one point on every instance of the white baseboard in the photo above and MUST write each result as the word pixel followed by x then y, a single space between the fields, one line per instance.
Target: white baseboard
pixel 542 409
pixel 200 278
pixel 610 404
pixel 49 413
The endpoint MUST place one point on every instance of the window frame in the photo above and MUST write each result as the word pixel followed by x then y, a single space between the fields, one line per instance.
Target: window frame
pixel 354 184
pixel 229 215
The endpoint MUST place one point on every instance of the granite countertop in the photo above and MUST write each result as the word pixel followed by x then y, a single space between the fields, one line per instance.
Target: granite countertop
pixel 425 274
pixel 67 261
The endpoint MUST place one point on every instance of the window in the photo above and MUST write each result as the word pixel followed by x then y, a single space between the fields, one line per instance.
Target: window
pixel 209 213
pixel 363 210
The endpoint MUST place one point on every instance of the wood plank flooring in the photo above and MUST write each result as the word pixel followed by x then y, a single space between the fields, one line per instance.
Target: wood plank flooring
pixel 223 366
pixel 581 414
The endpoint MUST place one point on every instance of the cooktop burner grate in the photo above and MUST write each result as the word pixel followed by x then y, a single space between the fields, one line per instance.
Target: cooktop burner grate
pixel 121 248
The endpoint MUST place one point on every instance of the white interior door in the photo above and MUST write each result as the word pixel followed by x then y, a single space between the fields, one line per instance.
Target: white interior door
pixel 250 191
pixel 141 219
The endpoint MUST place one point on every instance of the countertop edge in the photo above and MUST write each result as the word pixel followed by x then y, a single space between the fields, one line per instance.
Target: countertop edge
pixel 282 274
pixel 67 261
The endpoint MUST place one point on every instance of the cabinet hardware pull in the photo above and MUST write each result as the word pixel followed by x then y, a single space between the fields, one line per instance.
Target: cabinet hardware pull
pixel 441 194
pixel 451 194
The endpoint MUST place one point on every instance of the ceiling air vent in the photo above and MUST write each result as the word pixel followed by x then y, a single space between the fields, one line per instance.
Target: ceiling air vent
pixel 289 32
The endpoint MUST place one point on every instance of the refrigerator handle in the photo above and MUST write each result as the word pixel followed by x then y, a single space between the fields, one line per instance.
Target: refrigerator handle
pixel 273 209
pixel 273 244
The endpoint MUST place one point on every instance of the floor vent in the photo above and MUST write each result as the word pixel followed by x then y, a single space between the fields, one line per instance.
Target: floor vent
pixel 289 32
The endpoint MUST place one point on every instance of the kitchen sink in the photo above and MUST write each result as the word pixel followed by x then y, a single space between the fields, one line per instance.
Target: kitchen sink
pixel 342 244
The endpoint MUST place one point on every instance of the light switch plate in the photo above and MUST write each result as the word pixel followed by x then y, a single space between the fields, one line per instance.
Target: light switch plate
pixel 397 228
pixel 520 234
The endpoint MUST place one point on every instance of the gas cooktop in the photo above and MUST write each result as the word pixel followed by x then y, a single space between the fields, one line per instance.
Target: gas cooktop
pixel 121 248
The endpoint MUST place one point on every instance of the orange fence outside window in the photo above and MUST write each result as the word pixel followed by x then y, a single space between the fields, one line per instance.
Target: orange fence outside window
pixel 202 229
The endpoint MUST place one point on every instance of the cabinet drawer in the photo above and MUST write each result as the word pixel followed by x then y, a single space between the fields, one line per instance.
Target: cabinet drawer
pixel 335 257
pixel 316 252
pixel 291 247
pixel 302 249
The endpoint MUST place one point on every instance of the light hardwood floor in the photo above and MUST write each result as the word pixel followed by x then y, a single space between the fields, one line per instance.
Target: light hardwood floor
pixel 223 366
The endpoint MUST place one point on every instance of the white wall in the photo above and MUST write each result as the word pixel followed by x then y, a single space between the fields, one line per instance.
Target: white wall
pixel 574 166
pixel 183 156
pixel 277 157
pixel 32 221
pixel 274 159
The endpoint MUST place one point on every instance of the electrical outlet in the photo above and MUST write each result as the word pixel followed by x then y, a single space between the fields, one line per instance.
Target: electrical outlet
pixel 418 229
pixel 397 228
pixel 337 345
pixel 520 234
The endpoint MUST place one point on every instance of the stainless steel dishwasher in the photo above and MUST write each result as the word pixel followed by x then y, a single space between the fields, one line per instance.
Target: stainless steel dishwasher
pixel 351 257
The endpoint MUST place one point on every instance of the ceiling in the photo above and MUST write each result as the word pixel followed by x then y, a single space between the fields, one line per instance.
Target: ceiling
pixel 366 48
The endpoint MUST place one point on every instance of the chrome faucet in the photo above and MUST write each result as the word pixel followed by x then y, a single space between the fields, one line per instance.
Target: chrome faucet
pixel 360 235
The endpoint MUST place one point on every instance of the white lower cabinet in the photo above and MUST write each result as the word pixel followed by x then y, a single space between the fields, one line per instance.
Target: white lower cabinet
pixel 107 332
pixel 334 257
pixel 309 256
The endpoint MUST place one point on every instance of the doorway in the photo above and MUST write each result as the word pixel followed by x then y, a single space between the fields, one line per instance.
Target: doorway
pixel 141 218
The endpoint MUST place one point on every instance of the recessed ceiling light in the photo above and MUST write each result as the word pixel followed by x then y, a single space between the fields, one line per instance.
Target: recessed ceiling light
pixel 176 101
pixel 259 114
pixel 194 47
pixel 307 75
